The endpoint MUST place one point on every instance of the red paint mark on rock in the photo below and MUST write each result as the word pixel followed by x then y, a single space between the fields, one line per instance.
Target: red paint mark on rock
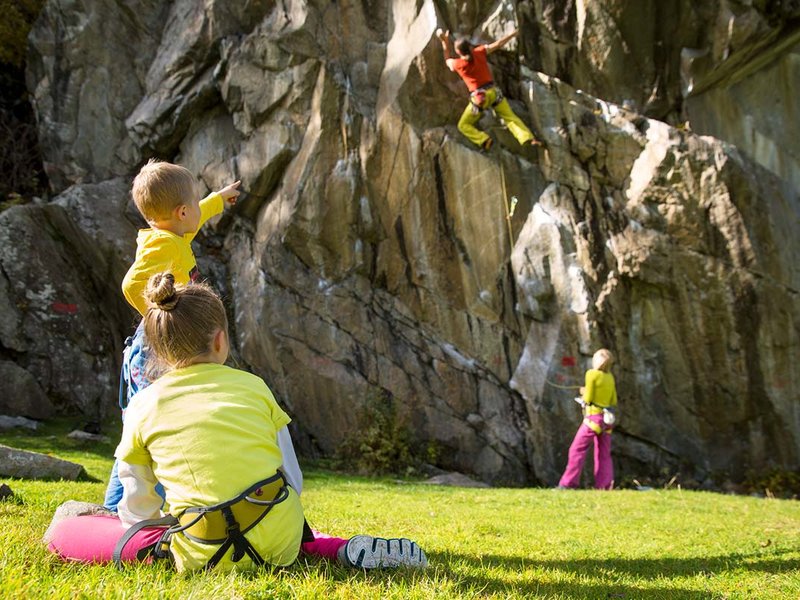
pixel 568 361
pixel 64 309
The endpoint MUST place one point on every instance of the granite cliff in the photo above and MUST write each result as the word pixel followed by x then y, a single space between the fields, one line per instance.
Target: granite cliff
pixel 373 254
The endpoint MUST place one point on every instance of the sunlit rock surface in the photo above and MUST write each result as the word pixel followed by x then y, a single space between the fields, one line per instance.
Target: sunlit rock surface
pixel 373 255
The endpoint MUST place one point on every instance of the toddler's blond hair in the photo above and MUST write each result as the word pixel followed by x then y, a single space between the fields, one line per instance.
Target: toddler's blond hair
pixel 160 187
pixel 602 360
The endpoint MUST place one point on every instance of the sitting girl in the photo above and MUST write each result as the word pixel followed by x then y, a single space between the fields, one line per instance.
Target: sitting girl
pixel 209 434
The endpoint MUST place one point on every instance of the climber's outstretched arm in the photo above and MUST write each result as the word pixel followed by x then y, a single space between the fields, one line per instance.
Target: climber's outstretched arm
pixel 501 42
pixel 444 37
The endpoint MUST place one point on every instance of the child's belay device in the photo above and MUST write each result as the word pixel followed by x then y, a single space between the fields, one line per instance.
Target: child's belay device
pixel 222 524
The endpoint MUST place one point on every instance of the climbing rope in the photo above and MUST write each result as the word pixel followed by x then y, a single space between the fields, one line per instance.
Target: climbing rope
pixel 562 387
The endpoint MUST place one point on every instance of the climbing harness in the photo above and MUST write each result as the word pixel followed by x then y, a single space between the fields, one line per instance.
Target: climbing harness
pixel 478 96
pixel 608 418
pixel 589 409
pixel 222 524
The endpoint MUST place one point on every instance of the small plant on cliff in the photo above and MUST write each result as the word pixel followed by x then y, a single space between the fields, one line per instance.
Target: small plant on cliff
pixel 381 442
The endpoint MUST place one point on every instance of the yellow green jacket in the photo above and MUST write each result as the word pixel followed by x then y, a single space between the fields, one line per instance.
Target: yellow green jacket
pixel 158 251
pixel 600 391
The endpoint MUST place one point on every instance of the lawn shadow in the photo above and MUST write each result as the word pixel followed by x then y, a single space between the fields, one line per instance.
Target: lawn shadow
pixel 612 569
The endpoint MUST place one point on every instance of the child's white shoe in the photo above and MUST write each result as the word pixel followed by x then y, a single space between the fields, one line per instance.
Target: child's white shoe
pixel 367 552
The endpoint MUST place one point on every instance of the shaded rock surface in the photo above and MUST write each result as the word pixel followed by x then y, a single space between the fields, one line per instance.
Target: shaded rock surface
pixel 21 395
pixel 33 465
pixel 61 315
pixel 372 254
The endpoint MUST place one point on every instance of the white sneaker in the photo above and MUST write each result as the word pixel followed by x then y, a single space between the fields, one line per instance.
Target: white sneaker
pixel 367 552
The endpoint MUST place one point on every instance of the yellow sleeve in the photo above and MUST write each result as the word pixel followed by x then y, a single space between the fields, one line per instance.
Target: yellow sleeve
pixel 156 257
pixel 590 384
pixel 211 205
pixel 279 416
pixel 131 448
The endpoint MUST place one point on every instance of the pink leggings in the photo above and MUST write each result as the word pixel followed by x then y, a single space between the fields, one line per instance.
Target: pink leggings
pixel 603 467
pixel 92 538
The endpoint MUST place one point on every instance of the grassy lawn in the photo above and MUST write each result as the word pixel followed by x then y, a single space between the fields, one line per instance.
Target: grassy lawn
pixel 497 543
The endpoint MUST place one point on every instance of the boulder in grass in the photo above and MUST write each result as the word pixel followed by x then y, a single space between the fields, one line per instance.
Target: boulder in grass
pixel 456 479
pixel 33 465
pixel 7 423
pixel 6 492
pixel 85 436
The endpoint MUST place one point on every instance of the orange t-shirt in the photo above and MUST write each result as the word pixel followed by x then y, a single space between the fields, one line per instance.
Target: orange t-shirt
pixel 476 72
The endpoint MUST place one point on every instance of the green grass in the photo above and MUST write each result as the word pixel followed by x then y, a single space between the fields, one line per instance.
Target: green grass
pixel 497 543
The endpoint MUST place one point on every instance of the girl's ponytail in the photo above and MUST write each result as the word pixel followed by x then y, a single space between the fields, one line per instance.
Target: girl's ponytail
pixel 181 322
pixel 160 291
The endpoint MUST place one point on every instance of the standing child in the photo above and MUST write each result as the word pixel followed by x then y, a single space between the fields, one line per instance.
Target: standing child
pixel 599 398
pixel 473 68
pixel 209 434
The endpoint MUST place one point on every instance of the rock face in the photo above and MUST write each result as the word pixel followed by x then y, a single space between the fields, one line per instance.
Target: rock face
pixel 61 317
pixel 373 255
pixel 706 62
pixel 20 394
pixel 733 107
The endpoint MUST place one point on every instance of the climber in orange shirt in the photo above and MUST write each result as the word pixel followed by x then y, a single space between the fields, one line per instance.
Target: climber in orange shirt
pixel 473 67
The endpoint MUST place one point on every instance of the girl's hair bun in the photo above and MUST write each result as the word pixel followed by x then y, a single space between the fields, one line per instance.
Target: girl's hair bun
pixel 160 291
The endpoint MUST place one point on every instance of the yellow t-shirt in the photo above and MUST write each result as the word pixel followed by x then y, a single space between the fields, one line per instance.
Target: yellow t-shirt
pixel 209 432
pixel 600 389
pixel 158 250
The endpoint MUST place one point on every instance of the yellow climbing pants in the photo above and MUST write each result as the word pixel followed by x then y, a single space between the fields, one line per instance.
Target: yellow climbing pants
pixel 471 116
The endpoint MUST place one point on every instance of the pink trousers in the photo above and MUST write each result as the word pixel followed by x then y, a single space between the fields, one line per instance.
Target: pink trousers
pixel 603 467
pixel 92 538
